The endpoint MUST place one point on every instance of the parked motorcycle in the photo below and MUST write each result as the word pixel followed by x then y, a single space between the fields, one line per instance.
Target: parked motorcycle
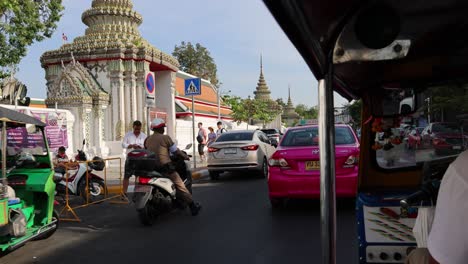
pixel 77 178
pixel 154 192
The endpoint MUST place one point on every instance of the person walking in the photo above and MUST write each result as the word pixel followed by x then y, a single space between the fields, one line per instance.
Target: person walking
pixel 211 136
pixel 134 139
pixel 221 129
pixel 202 138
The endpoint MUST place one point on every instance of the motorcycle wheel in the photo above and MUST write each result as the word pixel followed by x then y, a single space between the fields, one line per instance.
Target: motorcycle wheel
pixel 55 216
pixel 147 215
pixel 97 189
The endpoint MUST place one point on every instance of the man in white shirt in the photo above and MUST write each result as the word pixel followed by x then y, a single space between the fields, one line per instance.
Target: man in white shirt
pixel 132 140
pixel 221 129
pixel 448 239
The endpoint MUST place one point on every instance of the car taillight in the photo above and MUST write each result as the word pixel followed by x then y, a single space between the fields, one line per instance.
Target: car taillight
pixel 251 147
pixel 351 161
pixel 437 141
pixel 143 180
pixel 213 149
pixel 277 160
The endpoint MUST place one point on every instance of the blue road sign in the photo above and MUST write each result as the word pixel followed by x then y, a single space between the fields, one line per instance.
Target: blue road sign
pixel 193 86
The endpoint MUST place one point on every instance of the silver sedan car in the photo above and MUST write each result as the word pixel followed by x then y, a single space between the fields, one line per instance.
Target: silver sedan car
pixel 239 150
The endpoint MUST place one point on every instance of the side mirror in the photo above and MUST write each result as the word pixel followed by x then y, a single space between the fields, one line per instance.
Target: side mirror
pixel 188 146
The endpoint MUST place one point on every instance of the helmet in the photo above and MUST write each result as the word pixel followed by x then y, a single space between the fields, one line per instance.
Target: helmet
pixel 157 123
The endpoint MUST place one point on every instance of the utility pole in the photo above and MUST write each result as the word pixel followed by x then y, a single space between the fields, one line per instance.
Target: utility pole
pixel 428 100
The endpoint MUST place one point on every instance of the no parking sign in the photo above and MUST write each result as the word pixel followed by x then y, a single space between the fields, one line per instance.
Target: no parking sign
pixel 150 86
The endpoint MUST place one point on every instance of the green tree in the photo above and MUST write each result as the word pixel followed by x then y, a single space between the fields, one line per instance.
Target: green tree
pixel 196 60
pixel 354 109
pixel 281 102
pixel 306 112
pixel 21 23
pixel 448 99
pixel 266 111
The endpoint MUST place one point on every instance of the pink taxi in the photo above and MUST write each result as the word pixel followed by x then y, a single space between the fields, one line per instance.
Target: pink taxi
pixel 294 169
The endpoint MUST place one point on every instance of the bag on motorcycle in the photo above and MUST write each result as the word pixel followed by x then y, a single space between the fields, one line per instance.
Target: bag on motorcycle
pixel 141 159
pixel 422 226
pixel 18 223
pixel 98 164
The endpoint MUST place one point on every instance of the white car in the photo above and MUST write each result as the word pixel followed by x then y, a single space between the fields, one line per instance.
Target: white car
pixel 239 150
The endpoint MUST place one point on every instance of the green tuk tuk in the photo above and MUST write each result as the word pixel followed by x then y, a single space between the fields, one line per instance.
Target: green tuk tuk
pixel 26 185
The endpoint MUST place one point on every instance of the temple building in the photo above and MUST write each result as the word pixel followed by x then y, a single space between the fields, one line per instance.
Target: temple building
pixel 262 92
pixel 111 76
pixel 289 116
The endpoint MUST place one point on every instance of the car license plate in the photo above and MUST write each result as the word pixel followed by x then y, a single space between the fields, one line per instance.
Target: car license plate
pixel 230 151
pixel 142 188
pixel 457 147
pixel 312 165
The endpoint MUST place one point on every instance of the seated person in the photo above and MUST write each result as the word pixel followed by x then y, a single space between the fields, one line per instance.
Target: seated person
pixel 448 237
pixel 60 160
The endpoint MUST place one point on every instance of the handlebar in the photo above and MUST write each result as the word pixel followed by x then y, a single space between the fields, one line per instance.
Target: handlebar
pixel 415 198
pixel 428 192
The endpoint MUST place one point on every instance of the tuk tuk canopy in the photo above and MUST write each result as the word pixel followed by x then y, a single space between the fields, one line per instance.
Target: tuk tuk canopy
pixel 9 115
pixel 435 32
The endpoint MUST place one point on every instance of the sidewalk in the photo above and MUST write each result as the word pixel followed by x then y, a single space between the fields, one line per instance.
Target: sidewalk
pixel 113 178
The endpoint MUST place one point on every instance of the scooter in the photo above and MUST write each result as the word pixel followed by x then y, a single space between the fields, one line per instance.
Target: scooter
pixel 154 192
pixel 77 178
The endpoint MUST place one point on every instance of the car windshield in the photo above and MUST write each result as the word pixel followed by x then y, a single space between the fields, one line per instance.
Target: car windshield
pixel 235 136
pixel 309 137
pixel 20 140
pixel 270 131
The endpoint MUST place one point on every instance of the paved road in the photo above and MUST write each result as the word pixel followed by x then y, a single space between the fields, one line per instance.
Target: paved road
pixel 236 225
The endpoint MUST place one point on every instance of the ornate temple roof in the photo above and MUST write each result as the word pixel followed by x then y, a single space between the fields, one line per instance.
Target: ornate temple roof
pixel 76 85
pixel 289 112
pixel 262 92
pixel 112 33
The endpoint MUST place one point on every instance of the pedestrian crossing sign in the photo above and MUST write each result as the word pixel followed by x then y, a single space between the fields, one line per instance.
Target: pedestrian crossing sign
pixel 193 86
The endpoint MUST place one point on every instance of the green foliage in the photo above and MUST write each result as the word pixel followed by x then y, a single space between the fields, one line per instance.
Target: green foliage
pixel 245 110
pixel 196 60
pixel 354 109
pixel 266 111
pixel 21 23
pixel 306 112
pixel 281 103
pixel 449 98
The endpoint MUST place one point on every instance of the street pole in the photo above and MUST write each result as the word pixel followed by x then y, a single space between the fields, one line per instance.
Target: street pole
pixel 219 103
pixel 327 169
pixel 193 134
pixel 428 109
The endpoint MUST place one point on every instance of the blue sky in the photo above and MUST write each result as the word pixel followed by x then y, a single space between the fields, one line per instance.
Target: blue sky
pixel 235 32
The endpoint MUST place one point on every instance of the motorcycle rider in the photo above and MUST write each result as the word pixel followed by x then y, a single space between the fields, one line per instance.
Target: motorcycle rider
pixel 163 146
